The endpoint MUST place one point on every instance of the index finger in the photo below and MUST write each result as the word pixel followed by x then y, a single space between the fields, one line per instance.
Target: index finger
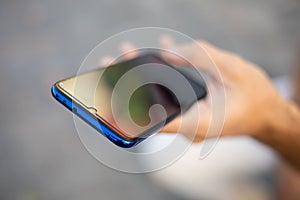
pixel 203 56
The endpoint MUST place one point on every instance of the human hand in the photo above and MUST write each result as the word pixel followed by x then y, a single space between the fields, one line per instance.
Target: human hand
pixel 251 99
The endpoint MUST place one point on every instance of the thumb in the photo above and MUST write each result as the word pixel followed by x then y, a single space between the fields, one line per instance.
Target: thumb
pixel 194 123
pixel 173 126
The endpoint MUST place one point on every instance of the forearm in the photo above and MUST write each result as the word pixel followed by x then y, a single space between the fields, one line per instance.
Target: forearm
pixel 283 133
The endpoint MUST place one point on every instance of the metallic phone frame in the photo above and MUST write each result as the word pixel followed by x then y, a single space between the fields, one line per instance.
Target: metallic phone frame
pixel 83 113
pixel 91 119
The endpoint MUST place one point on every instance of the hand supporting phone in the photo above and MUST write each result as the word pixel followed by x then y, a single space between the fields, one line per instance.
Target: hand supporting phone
pixel 92 96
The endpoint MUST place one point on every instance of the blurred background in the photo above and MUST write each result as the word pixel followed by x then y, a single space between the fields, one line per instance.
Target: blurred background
pixel 41 156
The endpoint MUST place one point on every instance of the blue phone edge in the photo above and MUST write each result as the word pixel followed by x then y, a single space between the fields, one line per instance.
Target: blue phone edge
pixel 92 120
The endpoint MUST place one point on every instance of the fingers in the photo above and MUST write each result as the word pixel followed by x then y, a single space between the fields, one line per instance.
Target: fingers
pixel 128 51
pixel 200 54
pixel 228 64
pixel 106 61
pixel 170 52
pixel 166 42
pixel 203 56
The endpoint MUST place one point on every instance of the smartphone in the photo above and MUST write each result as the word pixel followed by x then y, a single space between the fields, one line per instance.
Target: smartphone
pixel 94 98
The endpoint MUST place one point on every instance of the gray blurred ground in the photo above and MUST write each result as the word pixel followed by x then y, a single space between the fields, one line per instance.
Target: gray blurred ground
pixel 44 41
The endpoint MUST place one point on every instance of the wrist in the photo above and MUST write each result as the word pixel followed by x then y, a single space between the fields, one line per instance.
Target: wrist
pixel 281 119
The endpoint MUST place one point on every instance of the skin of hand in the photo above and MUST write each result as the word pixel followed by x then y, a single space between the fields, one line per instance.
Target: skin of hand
pixel 251 99
pixel 253 106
